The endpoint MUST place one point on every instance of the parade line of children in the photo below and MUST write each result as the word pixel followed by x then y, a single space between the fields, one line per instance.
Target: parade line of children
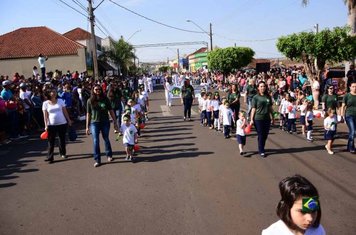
pixel 216 114
pixel 133 121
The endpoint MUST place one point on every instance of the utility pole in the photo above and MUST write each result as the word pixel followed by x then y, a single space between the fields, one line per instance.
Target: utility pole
pixel 211 37
pixel 93 39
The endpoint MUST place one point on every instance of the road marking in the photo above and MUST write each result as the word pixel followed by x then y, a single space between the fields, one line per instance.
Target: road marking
pixel 166 112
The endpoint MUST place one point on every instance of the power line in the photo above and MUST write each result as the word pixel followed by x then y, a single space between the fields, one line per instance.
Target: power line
pixel 100 29
pixel 73 8
pixel 80 5
pixel 155 21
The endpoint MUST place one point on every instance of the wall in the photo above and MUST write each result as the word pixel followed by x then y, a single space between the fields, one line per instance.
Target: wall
pixel 62 63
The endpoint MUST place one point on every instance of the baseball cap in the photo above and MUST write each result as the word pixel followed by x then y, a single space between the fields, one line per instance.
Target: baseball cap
pixel 6 83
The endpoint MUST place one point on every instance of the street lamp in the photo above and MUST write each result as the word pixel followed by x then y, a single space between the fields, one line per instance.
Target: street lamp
pixel 210 33
pixel 133 34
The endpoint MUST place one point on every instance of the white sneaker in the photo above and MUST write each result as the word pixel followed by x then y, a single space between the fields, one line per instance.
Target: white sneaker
pixel 64 156
pixel 110 159
pixel 127 158
pixel 96 164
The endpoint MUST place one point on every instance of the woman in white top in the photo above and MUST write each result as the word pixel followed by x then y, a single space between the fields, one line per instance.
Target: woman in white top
pixel 299 209
pixel 56 119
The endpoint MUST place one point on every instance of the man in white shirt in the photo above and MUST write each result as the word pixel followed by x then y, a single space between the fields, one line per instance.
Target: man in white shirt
pixel 42 61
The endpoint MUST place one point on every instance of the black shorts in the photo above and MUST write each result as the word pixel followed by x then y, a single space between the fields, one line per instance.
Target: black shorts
pixel 329 135
pixel 241 139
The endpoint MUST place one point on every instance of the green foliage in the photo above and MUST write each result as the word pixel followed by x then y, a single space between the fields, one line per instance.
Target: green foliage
pixel 164 69
pixel 230 58
pixel 328 45
pixel 121 53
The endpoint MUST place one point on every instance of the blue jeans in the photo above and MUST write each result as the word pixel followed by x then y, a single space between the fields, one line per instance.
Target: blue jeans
pixel 351 124
pixel 104 128
pixel 262 129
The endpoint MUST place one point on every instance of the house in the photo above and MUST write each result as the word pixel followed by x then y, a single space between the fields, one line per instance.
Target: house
pixel 198 59
pixel 19 51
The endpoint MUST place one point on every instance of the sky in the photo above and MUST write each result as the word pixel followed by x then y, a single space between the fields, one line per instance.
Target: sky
pixel 248 23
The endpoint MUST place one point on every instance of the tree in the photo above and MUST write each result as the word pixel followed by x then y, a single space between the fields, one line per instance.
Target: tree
pixel 121 53
pixel 328 45
pixel 230 58
pixel 351 13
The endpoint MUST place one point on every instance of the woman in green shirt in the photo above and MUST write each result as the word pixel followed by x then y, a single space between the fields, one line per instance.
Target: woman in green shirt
pixel 261 115
pixel 98 110
pixel 348 112
pixel 330 100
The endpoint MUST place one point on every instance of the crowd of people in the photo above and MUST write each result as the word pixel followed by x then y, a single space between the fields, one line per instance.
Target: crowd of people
pixel 26 104
pixel 54 101
pixel 284 94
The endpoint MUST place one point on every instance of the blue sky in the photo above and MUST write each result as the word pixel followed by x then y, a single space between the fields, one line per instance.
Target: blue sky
pixel 244 22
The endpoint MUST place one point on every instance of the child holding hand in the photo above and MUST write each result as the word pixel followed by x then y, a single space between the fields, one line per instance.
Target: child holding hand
pixel 330 129
pixel 241 123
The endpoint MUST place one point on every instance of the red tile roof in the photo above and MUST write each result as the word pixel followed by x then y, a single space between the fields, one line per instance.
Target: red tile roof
pixel 77 34
pixel 30 42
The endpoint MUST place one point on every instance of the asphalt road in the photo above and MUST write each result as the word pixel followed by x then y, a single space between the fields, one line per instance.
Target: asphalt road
pixel 188 180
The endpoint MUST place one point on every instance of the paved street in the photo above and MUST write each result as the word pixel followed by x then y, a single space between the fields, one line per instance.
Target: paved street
pixel 188 180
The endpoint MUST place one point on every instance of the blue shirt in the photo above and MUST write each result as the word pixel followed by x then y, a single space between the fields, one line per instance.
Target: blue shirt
pixel 6 94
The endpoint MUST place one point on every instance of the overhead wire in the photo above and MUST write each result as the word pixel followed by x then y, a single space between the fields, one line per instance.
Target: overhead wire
pixel 100 29
pixel 154 21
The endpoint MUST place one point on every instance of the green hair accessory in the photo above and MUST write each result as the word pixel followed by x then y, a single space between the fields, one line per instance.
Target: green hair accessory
pixel 310 204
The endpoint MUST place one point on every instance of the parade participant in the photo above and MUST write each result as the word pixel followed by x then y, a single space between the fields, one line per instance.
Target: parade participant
pixel 215 105
pixel 302 108
pixel 330 129
pixel 309 116
pixel 240 131
pixel 292 116
pixel 129 137
pixel 56 118
pixel 348 112
pixel 115 96
pixel 251 91
pixel 221 110
pixel 98 109
pixel 227 119
pixel 262 116
pixel 209 110
pixel 202 108
pixel 299 209
pixel 167 91
pixel 330 100
pixel 187 99
pixel 234 100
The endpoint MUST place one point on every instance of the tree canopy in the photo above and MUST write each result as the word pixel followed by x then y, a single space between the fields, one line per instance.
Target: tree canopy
pixel 328 45
pixel 230 58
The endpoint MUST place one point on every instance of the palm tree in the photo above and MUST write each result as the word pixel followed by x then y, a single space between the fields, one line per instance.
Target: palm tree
pixel 351 8
pixel 120 53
